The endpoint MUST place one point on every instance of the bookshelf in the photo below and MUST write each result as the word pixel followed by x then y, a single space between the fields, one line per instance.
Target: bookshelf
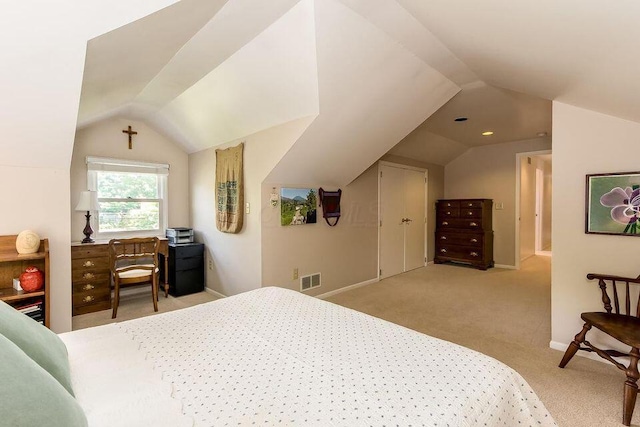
pixel 13 264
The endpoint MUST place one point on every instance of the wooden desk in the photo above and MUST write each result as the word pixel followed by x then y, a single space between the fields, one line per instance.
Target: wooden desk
pixel 91 279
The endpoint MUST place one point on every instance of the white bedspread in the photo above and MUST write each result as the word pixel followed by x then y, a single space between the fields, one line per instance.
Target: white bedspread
pixel 273 356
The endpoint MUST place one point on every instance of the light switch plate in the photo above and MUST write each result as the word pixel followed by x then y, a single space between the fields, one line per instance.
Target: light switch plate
pixel 499 206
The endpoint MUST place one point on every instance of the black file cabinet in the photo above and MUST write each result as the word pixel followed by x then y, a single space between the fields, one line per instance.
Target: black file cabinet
pixel 186 268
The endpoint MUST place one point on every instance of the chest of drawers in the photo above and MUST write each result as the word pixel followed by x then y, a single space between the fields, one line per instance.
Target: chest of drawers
pixel 464 232
pixel 90 278
pixel 186 268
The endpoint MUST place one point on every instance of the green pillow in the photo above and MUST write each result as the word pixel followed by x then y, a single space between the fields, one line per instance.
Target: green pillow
pixel 38 342
pixel 30 397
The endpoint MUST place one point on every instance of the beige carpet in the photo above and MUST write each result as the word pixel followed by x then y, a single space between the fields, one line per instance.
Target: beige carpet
pixel 502 313
pixel 139 305
pixel 505 314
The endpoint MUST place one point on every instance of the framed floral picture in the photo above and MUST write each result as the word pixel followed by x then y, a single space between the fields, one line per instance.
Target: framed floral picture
pixel 613 204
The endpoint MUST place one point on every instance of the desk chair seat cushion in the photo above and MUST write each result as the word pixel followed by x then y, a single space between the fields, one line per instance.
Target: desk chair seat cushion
pixel 625 329
pixel 39 343
pixel 135 273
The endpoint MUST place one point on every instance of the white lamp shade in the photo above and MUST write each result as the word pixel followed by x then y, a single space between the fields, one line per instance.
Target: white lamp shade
pixel 88 201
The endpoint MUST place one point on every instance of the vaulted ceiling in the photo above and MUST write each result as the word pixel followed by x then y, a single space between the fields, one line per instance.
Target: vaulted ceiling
pixel 370 72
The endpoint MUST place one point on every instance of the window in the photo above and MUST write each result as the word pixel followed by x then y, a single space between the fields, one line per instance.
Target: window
pixel 132 197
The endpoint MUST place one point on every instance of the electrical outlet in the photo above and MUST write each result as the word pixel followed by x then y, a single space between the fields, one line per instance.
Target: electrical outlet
pixel 295 274
pixel 210 264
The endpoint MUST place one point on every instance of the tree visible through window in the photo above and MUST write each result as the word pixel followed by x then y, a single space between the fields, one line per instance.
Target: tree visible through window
pixel 132 197
pixel 128 201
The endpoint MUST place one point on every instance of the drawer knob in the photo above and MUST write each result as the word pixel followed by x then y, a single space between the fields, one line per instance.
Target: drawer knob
pixel 448 212
pixel 88 264
pixel 473 224
pixel 88 287
pixel 474 240
pixel 448 204
pixel 87 299
pixel 88 276
pixel 444 251
pixel 470 213
pixel 445 223
pixel 443 237
pixel 470 204
pixel 474 254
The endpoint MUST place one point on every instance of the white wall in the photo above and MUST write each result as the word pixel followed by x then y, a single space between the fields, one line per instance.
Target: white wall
pixel 236 258
pixel 38 199
pixel 105 139
pixel 490 172
pixel 585 142
pixel 42 48
pixel 345 254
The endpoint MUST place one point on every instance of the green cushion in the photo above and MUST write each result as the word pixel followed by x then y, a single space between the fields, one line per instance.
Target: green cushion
pixel 30 397
pixel 38 342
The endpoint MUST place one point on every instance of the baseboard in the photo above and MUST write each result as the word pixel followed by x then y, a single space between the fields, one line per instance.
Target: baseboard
pixel 347 288
pixel 555 345
pixel 214 293
pixel 430 263
pixel 505 266
pixel 543 253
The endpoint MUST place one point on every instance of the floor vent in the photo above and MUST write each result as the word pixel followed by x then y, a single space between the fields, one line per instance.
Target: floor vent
pixel 311 281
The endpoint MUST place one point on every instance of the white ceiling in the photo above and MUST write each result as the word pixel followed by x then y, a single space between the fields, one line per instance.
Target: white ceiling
pixel 373 92
pixel 271 80
pixel 512 116
pixel 209 71
pixel 579 52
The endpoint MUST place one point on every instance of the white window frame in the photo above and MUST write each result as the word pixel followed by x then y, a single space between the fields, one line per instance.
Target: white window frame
pixel 161 170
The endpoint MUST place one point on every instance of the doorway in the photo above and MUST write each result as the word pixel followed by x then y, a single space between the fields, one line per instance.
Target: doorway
pixel 533 213
pixel 402 218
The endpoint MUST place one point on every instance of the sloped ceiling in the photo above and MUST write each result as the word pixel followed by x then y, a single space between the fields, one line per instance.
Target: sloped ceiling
pixel 372 72
pixel 121 63
pixel 270 80
pixel 578 52
pixel 373 92
pixel 241 66
pixel 512 116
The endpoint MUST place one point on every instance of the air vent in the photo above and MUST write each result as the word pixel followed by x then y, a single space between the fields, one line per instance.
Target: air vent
pixel 310 281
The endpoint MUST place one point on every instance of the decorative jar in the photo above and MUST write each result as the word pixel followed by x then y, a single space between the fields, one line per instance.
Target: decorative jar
pixel 32 279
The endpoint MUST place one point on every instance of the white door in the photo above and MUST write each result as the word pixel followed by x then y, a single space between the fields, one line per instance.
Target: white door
pixel 402 220
pixel 391 226
pixel 539 196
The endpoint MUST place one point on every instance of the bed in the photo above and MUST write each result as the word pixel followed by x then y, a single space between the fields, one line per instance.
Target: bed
pixel 274 356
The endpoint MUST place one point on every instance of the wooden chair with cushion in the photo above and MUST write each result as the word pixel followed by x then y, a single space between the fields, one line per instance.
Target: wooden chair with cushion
pixel 623 326
pixel 134 262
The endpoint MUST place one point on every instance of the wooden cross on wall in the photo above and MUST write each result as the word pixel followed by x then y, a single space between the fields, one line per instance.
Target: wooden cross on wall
pixel 131 133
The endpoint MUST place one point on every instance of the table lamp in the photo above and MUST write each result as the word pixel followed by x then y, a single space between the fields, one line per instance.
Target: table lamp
pixel 88 202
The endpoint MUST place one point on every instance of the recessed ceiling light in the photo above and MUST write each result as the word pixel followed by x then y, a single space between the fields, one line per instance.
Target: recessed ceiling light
pixel 541 134
pixel 487 133
pixel 460 119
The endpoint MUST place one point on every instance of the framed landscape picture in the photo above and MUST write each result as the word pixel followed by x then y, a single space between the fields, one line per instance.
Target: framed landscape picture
pixel 613 204
pixel 298 206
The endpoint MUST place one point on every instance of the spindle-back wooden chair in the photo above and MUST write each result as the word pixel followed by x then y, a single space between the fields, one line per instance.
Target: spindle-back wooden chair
pixel 132 262
pixel 619 322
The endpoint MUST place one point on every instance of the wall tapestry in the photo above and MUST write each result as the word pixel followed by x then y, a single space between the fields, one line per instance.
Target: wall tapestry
pixel 229 189
pixel 298 206
pixel 613 204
